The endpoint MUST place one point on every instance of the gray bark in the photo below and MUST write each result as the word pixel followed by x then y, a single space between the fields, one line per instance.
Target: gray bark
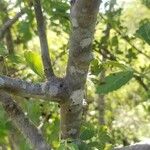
pixel 135 147
pixel 53 90
pixel 22 122
pixel 9 23
pixel 43 40
pixel 68 91
pixel 83 18
pixel 101 103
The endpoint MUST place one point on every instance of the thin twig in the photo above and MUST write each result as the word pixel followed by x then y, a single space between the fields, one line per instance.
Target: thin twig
pixel 136 146
pixel 43 40
pixel 138 78
pixel 8 34
pixel 126 38
pixel 140 81
pixel 10 22
pixel 23 123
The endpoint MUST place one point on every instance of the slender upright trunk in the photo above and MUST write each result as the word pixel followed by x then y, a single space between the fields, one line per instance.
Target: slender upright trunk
pixel 101 103
pixel 8 35
pixel 104 52
pixel 70 121
pixel 83 18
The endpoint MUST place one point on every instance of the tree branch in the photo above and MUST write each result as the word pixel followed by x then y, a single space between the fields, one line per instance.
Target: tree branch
pixel 104 52
pixel 135 147
pixel 83 18
pixel 43 40
pixel 21 121
pixel 141 82
pixel 52 90
pixel 126 38
pixel 10 22
pixel 8 34
pixel 58 57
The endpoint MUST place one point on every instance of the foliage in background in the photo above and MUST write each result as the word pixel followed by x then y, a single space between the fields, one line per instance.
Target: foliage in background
pixel 127 100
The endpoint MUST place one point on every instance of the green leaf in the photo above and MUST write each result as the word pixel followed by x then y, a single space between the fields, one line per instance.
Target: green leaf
pixel 62 147
pixel 24 30
pixel 96 67
pixel 33 59
pixel 146 3
pixel 93 144
pixel 84 146
pixel 16 59
pixel 114 81
pixel 144 32
pixel 115 64
pixel 131 54
pixel 87 134
pixel 114 41
pixel 72 146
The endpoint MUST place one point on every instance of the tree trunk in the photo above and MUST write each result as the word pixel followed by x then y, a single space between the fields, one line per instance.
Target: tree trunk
pixel 83 18
pixel 70 120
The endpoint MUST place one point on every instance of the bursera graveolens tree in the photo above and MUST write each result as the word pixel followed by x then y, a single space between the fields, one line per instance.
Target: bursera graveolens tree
pixel 67 91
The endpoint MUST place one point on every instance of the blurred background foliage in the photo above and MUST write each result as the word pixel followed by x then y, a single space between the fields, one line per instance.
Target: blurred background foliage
pixel 117 107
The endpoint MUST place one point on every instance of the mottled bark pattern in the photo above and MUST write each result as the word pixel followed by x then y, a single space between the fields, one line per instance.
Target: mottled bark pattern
pixel 137 146
pixel 67 91
pixel 83 18
pixel 23 123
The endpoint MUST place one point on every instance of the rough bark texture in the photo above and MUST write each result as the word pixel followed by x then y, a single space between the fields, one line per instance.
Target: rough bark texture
pixel 53 90
pixel 135 147
pixel 9 23
pixel 43 40
pixel 68 91
pixel 101 103
pixel 83 18
pixel 22 122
